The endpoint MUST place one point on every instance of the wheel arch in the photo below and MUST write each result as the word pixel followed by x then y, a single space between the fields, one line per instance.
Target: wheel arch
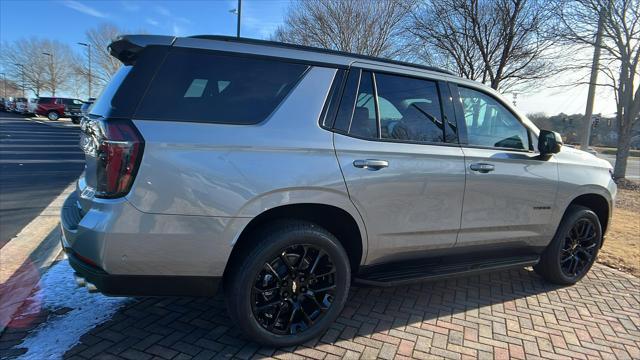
pixel 597 203
pixel 342 224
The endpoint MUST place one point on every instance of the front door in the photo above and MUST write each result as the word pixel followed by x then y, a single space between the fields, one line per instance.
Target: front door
pixel 402 168
pixel 510 190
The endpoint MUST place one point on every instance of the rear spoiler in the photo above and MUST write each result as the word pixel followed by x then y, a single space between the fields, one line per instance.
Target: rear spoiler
pixel 127 47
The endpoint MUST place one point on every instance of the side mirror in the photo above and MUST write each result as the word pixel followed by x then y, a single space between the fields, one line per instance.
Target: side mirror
pixel 549 142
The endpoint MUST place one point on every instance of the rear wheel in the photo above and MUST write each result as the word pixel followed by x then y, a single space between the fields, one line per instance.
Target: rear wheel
pixel 75 120
pixel 574 248
pixel 53 116
pixel 291 286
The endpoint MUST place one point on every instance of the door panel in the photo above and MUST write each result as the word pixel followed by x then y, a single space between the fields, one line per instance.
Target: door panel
pixel 410 206
pixel 510 190
pixel 511 203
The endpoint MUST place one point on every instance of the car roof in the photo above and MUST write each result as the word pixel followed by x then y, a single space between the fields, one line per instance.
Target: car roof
pixel 126 47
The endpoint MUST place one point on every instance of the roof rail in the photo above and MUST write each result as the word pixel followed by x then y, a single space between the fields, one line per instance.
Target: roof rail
pixel 317 50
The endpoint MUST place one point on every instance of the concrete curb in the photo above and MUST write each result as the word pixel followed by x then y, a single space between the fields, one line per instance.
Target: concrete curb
pixel 29 254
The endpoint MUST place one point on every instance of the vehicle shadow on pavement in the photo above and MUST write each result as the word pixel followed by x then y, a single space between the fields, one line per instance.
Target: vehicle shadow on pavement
pixel 200 327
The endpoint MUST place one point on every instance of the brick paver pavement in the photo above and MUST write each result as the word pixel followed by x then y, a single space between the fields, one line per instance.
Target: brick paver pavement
pixel 512 314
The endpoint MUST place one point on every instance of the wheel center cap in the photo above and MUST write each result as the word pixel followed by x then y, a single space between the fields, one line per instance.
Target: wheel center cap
pixel 293 286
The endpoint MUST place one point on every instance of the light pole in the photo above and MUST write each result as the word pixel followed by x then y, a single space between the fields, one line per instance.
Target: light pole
pixel 4 83
pixel 238 12
pixel 89 52
pixel 53 89
pixel 21 73
pixel 586 127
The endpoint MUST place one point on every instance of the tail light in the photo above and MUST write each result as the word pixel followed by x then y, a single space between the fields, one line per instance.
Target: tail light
pixel 117 147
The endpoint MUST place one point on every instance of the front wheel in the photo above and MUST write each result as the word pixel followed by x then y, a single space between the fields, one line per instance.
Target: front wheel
pixel 574 248
pixel 291 286
pixel 53 116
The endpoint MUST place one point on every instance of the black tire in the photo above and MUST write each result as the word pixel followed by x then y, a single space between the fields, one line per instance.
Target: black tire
pixel 53 116
pixel 574 246
pixel 298 241
pixel 75 120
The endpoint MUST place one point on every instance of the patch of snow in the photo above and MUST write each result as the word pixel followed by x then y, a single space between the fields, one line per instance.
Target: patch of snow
pixel 57 290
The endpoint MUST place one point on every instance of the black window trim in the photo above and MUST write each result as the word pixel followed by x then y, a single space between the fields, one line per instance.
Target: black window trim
pixel 330 109
pixel 375 104
pixel 342 93
pixel 355 101
pixel 448 110
pixel 462 134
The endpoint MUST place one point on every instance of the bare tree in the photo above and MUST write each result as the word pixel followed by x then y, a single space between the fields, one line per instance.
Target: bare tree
pixel 9 88
pixel 58 65
pixel 502 43
pixel 103 64
pixel 620 57
pixel 368 27
pixel 24 60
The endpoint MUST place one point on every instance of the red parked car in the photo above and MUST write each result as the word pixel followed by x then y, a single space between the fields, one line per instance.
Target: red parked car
pixel 54 108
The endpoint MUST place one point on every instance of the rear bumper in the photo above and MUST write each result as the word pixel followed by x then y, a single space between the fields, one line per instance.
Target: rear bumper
pixel 123 251
pixel 135 285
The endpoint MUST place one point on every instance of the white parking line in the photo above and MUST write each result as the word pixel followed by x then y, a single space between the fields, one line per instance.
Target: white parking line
pixel 42 161
pixel 59 123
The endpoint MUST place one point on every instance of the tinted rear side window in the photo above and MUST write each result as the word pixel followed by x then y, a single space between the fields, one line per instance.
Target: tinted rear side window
pixel 345 110
pixel 206 87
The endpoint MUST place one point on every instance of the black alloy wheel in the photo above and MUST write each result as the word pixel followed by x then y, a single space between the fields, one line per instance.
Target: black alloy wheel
pixel 579 250
pixel 574 248
pixel 287 283
pixel 294 290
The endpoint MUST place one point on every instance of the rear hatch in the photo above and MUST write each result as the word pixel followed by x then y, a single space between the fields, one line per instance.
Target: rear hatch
pixel 112 145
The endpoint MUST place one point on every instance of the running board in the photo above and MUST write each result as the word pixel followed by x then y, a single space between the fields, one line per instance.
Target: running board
pixel 412 271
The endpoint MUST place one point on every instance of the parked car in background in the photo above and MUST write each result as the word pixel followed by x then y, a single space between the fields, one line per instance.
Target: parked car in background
pixel 33 104
pixel 56 107
pixel 285 172
pixel 9 104
pixel 21 105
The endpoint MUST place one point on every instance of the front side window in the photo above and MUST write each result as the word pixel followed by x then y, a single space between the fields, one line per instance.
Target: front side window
pixel 409 109
pixel 489 123
pixel 207 87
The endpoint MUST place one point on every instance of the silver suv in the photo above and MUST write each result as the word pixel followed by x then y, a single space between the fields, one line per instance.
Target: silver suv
pixel 285 173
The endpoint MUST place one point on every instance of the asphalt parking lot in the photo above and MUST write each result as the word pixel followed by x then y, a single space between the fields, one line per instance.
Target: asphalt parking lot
pixel 37 162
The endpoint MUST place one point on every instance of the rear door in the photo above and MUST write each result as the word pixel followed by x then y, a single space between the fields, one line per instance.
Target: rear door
pixel 510 189
pixel 402 164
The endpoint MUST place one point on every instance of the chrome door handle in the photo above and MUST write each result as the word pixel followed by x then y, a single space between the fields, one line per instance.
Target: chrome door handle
pixel 482 167
pixel 371 164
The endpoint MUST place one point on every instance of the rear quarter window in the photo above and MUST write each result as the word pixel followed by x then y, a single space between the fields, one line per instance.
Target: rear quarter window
pixel 216 88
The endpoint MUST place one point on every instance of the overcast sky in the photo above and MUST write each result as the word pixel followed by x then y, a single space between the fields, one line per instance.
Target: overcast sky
pixel 67 20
